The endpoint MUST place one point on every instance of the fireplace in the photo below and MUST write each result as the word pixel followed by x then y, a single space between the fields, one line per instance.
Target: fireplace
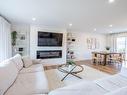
pixel 49 54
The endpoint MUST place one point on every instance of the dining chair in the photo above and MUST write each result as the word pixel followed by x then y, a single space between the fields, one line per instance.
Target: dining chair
pixel 115 59
pixel 96 58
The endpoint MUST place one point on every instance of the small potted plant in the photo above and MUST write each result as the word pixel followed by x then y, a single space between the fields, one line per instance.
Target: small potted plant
pixel 70 64
pixel 13 37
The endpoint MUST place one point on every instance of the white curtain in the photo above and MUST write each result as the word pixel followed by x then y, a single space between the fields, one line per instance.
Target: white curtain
pixel 5 40
pixel 112 40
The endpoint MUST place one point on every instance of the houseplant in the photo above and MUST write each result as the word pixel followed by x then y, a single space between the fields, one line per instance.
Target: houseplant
pixel 13 37
pixel 71 62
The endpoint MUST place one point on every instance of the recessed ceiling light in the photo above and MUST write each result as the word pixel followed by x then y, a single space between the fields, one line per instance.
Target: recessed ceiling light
pixel 95 29
pixel 33 18
pixel 111 1
pixel 110 25
pixel 70 24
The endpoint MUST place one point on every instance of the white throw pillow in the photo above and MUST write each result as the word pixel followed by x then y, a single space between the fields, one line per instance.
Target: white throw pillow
pixel 123 72
pixel 17 59
pixel 8 75
pixel 26 61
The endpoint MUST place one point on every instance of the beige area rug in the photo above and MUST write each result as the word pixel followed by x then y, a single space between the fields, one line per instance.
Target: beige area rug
pixel 89 74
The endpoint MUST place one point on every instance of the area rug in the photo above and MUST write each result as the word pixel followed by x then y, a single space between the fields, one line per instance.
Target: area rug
pixel 89 74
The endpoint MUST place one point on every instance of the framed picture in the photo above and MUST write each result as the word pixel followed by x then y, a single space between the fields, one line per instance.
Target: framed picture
pixel 92 43
pixel 22 37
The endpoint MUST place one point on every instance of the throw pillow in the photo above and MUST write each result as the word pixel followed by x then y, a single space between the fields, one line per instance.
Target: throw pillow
pixel 27 62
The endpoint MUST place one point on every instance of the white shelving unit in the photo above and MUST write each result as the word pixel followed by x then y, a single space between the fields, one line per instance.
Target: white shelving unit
pixel 70 44
pixel 22 43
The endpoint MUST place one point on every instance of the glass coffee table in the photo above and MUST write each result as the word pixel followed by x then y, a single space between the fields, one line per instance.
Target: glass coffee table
pixel 70 70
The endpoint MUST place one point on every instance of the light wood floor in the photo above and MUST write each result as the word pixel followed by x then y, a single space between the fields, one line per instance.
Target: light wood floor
pixel 110 68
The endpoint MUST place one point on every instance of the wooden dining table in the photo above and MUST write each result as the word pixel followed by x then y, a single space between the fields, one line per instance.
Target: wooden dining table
pixel 105 54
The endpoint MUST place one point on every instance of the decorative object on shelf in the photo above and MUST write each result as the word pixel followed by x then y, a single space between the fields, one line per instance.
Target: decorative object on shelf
pixel 107 49
pixel 21 49
pixel 14 37
pixel 73 40
pixel 92 43
pixel 22 36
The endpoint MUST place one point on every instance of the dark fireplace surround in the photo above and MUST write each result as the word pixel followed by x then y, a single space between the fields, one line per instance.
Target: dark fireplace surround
pixel 47 54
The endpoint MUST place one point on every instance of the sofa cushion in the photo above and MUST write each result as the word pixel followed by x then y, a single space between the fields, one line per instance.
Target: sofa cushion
pixel 112 83
pixel 17 59
pixel 33 68
pixel 28 84
pixel 123 72
pixel 27 62
pixel 121 91
pixel 8 74
pixel 37 61
pixel 83 88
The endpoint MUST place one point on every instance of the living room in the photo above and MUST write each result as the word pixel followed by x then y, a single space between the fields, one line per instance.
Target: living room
pixel 63 47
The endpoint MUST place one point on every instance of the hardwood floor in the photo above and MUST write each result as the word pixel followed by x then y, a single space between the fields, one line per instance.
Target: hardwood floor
pixel 110 68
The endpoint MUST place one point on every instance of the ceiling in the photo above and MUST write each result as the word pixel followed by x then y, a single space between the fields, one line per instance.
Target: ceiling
pixel 85 15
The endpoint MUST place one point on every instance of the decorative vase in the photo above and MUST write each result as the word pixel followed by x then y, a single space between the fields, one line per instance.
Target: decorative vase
pixel 70 67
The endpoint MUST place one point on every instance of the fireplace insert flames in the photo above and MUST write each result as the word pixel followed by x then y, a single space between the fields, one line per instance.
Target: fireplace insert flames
pixel 49 54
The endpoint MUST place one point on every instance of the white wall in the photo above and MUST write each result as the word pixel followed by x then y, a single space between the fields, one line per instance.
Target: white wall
pixel 33 44
pixel 80 46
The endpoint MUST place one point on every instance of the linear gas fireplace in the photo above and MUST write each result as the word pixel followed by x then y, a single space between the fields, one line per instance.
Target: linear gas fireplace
pixel 49 54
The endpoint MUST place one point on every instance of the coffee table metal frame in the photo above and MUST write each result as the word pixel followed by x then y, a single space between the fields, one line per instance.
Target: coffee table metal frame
pixel 70 72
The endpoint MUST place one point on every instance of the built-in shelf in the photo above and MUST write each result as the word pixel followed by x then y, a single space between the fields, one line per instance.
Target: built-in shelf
pixel 21 46
pixel 70 44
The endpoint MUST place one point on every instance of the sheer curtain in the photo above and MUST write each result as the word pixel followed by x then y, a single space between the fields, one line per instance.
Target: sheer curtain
pixel 112 40
pixel 5 40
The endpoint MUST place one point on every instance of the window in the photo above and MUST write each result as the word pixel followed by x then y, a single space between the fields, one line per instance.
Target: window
pixel 122 45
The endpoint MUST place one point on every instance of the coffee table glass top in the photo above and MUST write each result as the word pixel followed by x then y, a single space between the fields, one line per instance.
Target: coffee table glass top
pixel 71 70
pixel 68 68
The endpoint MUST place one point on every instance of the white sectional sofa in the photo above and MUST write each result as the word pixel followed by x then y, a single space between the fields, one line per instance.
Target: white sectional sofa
pixel 114 85
pixel 17 80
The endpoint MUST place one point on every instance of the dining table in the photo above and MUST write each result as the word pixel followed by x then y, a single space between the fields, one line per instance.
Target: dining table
pixel 105 54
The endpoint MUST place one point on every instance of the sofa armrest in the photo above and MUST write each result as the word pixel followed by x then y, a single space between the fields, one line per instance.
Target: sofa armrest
pixel 37 61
